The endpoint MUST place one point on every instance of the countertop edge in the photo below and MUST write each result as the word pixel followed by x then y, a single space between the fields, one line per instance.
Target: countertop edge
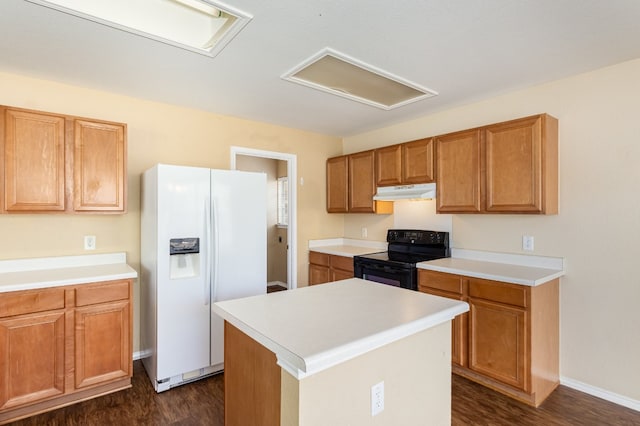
pixel 300 367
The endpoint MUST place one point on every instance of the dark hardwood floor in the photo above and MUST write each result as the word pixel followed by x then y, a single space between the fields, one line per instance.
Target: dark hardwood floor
pixel 202 403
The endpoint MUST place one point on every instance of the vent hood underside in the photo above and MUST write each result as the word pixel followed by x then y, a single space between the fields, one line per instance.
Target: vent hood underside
pixel 422 191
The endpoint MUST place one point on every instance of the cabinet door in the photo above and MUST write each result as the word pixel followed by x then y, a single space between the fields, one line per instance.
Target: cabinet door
pixel 417 162
pixel 459 172
pixel 361 182
pixel 389 165
pixel 318 274
pixel 497 342
pixel 337 184
pixel 34 161
pixel 514 166
pixel 102 343
pixel 32 360
pixel 99 166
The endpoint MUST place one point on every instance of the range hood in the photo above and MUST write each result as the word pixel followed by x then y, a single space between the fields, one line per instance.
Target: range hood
pixel 421 191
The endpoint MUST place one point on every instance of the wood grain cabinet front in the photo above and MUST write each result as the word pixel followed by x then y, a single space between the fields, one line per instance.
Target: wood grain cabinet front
pixel 351 185
pixel 324 268
pixel 406 163
pixel 63 345
pixel 509 167
pixel 34 161
pixel 509 339
pixel 57 163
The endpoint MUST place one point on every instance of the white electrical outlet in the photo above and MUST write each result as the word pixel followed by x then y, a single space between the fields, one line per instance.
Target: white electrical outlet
pixel 527 243
pixel 377 398
pixel 89 242
pixel 363 231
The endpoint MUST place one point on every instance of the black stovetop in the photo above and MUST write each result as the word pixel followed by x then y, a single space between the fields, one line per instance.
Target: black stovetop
pixel 409 246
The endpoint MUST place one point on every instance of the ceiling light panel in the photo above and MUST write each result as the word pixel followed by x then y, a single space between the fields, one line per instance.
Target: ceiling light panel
pixel 341 75
pixel 201 26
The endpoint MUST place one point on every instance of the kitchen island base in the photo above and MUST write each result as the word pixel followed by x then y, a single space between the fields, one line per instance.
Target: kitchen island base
pixel 416 372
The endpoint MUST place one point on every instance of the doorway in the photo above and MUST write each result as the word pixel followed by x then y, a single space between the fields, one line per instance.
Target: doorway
pixel 281 233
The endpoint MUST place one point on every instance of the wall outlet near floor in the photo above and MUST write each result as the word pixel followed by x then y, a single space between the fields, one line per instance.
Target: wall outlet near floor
pixel 377 398
pixel 89 242
pixel 527 243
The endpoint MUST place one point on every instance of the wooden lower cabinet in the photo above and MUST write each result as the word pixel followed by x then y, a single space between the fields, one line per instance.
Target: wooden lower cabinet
pixel 324 268
pixel 509 339
pixel 63 345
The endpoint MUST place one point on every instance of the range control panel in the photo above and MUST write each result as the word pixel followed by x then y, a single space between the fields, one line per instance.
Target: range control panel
pixel 413 236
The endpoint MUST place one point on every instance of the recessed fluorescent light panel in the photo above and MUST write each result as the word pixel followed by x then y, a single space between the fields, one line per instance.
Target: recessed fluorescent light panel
pixel 201 26
pixel 339 74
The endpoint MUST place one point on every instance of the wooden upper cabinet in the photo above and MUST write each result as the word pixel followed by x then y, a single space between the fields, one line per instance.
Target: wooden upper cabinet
pixel 362 186
pixel 418 161
pixel 389 165
pixel 99 166
pixel 337 184
pixel 57 163
pixel 351 185
pixel 459 172
pixel 509 167
pixel 405 164
pixel 522 166
pixel 34 161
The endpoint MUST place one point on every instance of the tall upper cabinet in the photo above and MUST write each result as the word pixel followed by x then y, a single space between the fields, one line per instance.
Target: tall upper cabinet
pixel 509 167
pixel 56 163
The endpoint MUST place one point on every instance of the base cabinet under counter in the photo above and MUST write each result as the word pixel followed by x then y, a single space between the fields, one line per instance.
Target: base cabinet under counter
pixel 509 339
pixel 324 268
pixel 63 345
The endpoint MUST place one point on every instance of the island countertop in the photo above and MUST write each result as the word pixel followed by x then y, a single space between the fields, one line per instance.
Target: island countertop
pixel 35 273
pixel 314 328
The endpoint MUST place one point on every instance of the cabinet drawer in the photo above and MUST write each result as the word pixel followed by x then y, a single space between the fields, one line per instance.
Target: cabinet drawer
pixel 511 294
pixel 342 262
pixel 31 301
pixel 440 281
pixel 318 258
pixel 100 293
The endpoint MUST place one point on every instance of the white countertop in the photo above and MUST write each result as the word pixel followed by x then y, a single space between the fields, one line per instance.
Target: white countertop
pixel 346 247
pixel 311 329
pixel 27 274
pixel 510 268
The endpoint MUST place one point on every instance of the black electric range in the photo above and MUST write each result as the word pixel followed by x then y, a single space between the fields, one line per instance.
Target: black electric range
pixel 397 265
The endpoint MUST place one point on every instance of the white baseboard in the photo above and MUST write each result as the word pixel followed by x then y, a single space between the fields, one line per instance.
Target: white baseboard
pixel 138 355
pixel 601 393
pixel 280 283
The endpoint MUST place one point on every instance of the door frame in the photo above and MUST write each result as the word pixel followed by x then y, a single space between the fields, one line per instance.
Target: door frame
pixel 292 228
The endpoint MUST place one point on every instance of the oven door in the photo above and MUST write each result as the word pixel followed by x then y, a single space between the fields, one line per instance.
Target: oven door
pixel 386 274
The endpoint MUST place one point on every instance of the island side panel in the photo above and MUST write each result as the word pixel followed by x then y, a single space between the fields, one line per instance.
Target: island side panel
pixel 251 381
pixel 416 372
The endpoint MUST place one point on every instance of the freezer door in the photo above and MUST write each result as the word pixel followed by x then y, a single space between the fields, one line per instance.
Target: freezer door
pixel 183 293
pixel 239 242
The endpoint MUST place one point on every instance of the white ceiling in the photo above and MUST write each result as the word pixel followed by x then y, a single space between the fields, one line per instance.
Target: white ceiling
pixel 465 50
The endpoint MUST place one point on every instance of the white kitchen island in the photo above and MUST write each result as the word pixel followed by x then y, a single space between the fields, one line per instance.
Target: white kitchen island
pixel 311 356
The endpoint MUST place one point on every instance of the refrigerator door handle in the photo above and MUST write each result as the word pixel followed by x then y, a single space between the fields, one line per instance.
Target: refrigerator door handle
pixel 214 237
pixel 207 254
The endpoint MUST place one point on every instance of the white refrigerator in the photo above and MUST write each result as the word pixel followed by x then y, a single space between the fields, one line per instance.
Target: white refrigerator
pixel 203 240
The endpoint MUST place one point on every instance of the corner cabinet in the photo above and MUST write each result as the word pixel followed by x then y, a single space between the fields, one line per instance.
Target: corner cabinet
pixel 509 167
pixel 509 339
pixel 405 164
pixel 63 345
pixel 351 185
pixel 55 163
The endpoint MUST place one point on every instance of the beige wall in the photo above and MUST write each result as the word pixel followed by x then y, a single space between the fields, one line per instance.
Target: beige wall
pixel 159 133
pixel 597 229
